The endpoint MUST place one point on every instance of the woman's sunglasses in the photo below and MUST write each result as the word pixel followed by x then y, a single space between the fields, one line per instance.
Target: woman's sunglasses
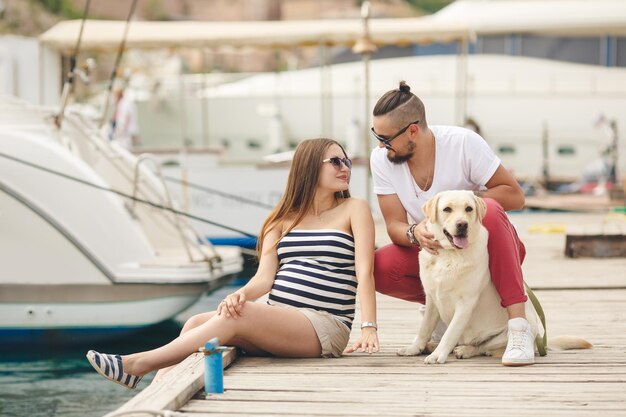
pixel 336 161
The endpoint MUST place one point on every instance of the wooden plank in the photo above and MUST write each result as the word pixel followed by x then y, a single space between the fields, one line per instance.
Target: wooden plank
pixel 404 406
pixel 460 390
pixel 595 246
pixel 573 202
pixel 176 387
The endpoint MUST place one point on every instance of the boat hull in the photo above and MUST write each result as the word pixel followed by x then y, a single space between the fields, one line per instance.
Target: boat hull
pixel 72 314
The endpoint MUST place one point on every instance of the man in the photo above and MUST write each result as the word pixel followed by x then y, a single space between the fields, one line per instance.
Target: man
pixel 124 127
pixel 415 161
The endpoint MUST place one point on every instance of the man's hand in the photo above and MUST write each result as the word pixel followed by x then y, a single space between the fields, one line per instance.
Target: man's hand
pixel 425 238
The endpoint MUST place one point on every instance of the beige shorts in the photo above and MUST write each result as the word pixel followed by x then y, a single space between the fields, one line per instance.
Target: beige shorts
pixel 331 332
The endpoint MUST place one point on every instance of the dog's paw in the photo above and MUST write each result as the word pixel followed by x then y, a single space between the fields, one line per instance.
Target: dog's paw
pixel 410 350
pixel 436 357
pixel 430 347
pixel 465 351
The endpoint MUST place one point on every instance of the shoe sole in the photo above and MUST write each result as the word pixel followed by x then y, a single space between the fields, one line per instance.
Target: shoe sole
pixel 518 363
pixel 97 368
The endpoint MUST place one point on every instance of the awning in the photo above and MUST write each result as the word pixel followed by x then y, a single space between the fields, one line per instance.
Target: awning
pixel 462 19
pixel 107 35
pixel 538 17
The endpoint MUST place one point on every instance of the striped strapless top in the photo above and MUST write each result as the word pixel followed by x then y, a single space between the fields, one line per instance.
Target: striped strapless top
pixel 316 270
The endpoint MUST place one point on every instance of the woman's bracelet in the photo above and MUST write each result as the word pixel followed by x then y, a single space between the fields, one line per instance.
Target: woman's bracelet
pixel 410 235
pixel 369 324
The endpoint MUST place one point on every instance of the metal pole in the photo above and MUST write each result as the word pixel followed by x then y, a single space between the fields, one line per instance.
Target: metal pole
pixel 325 87
pixel 614 158
pixel 461 87
pixel 366 125
pixel 366 47
pixel 545 148
pixel 184 140
pixel 204 114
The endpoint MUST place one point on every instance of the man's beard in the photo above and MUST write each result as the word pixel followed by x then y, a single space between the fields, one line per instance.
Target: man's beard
pixel 398 159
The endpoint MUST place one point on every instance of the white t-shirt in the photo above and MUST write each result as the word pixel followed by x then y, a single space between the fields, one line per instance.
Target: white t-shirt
pixel 125 122
pixel 463 161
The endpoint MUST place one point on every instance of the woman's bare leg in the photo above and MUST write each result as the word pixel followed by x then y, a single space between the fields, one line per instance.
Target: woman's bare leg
pixel 191 323
pixel 277 330
pixel 199 319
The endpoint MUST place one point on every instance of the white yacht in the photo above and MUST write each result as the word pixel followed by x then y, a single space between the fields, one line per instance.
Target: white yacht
pixel 79 259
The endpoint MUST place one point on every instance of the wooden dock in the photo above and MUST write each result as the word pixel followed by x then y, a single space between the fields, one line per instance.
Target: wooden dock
pixel 581 297
pixel 574 202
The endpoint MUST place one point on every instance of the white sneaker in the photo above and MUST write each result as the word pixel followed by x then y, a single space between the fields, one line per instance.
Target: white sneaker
pixel 520 349
pixel 440 329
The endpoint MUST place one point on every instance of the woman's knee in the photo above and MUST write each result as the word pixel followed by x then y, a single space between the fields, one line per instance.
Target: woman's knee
pixel 245 312
pixel 196 320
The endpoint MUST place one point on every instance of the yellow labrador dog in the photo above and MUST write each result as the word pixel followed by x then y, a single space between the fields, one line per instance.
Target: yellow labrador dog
pixel 458 285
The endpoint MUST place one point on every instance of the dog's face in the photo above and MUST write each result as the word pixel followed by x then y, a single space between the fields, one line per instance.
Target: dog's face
pixel 455 217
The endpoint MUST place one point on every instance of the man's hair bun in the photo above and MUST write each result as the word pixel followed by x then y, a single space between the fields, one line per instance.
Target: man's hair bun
pixel 404 87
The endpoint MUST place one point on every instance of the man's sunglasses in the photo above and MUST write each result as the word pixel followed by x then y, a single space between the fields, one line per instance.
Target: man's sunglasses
pixel 386 141
pixel 336 161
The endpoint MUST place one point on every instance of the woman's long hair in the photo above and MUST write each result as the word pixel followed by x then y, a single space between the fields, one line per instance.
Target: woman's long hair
pixel 301 186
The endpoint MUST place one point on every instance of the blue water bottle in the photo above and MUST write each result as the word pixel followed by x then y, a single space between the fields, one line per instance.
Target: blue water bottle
pixel 213 367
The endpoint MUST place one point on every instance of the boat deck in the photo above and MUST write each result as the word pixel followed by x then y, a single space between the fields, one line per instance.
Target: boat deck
pixel 581 297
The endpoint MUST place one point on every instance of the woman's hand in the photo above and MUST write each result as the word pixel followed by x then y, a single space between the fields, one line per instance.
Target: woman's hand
pixel 232 304
pixel 368 342
pixel 425 238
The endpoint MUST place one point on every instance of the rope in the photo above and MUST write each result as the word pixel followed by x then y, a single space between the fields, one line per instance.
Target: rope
pixel 118 60
pixel 220 193
pixel 80 34
pixel 121 194
pixel 69 83
pixel 541 342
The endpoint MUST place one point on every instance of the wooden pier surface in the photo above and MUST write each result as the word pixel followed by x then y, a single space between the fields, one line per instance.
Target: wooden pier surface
pixel 581 297
pixel 573 202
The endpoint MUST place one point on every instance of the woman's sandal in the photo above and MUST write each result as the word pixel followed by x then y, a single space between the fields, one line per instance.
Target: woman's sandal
pixel 110 367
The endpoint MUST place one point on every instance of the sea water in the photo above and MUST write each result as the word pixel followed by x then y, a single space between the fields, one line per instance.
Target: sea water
pixel 46 382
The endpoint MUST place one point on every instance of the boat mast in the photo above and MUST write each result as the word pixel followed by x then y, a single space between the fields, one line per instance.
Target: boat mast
pixel 118 59
pixel 68 86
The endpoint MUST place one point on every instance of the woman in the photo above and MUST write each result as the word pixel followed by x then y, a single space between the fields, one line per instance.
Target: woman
pixel 315 247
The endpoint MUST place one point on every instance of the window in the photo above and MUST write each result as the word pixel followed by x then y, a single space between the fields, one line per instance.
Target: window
pixel 621 52
pixel 581 50
pixel 506 150
pixel 253 144
pixel 492 45
pixel 566 150
pixel 435 49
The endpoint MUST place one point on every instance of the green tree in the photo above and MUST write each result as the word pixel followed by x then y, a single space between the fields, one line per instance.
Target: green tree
pixel 429 6
pixel 61 7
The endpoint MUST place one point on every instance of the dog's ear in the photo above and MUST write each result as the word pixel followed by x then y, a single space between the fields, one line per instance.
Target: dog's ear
pixel 430 209
pixel 481 208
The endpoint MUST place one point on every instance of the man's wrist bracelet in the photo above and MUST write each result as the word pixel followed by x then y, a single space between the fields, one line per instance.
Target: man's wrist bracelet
pixel 410 235
pixel 369 324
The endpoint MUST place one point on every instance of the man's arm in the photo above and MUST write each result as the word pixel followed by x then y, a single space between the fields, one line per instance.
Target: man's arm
pixel 503 188
pixel 395 218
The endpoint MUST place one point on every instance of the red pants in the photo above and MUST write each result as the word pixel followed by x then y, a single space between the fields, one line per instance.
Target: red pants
pixel 396 268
